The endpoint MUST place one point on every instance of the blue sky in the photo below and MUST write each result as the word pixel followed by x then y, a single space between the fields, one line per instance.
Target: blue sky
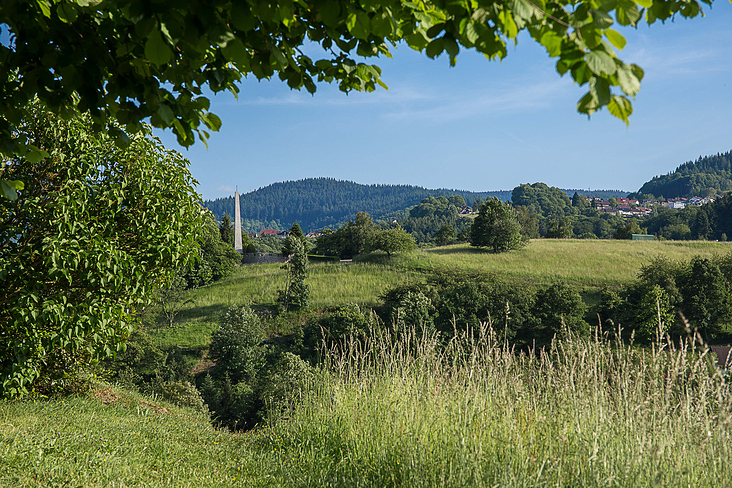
pixel 482 125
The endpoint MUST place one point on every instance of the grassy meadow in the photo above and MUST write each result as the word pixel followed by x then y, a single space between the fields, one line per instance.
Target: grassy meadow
pixel 587 264
pixel 407 413
pixel 583 262
pixel 257 285
pixel 386 413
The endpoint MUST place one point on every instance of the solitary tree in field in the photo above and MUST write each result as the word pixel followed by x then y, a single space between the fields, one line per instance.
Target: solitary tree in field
pixel 391 241
pixel 496 227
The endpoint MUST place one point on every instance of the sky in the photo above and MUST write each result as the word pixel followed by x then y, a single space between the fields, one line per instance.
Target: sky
pixel 481 125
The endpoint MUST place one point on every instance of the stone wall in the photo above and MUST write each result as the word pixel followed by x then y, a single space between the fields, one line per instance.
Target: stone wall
pixel 264 258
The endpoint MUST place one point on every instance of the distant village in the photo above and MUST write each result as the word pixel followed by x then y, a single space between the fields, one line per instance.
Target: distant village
pixel 627 207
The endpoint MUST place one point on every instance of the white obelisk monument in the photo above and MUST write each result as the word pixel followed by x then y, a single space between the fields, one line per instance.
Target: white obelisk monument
pixel 237 224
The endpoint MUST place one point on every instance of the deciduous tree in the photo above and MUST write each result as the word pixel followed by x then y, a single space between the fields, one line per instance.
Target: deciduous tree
pixel 391 241
pixel 296 293
pixel 94 232
pixel 496 227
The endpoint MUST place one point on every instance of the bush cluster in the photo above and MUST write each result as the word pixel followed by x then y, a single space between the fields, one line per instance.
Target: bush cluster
pixel 676 294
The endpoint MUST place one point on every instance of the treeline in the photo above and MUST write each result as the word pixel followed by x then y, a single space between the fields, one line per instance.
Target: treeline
pixel 544 211
pixel 363 235
pixel 317 203
pixel 707 176
pixel 548 212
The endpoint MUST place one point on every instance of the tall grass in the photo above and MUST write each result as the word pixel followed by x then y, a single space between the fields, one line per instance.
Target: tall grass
pixel 583 413
pixel 409 412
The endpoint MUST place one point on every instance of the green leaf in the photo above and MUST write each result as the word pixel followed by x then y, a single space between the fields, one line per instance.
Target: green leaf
pixel 600 62
pixel 45 8
pixel 435 47
pixel 166 114
pixel 587 104
pixel 281 59
pixel 552 42
pixel 509 25
pixel 621 108
pixel 645 3
pixel 381 25
pixel 357 24
pixel 627 13
pixel 637 71
pixel 66 12
pixel 35 155
pixel 10 187
pixel 330 12
pixel 600 91
pixel 121 139
pixel 471 32
pixel 601 19
pixel 451 46
pixel 615 38
pixel 629 83
pixel 522 9
pixel 156 50
pixel 237 53
pixel 435 30
pixel 212 121
pixel 88 3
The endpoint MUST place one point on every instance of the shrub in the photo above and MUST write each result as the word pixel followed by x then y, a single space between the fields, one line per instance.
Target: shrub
pixel 414 311
pixel 653 314
pixel 238 346
pixel 183 394
pixel 335 325
pixel 558 308
pixel 283 385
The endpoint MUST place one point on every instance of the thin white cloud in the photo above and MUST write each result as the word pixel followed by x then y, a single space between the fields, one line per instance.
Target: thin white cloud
pixel 457 106
pixel 226 189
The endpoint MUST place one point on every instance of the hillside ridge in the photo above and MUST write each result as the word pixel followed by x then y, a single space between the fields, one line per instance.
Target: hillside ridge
pixel 316 203
pixel 706 176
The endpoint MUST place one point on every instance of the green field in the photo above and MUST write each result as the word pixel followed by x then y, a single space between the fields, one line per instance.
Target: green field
pixel 585 263
pixel 582 262
pixel 257 285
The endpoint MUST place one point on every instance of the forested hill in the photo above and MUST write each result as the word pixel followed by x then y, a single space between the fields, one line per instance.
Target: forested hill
pixel 316 203
pixel 704 177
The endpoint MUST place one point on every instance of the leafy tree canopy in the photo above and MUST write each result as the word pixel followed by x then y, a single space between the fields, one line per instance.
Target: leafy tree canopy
pixel 496 227
pixel 391 241
pixel 138 60
pixel 95 230
pixel 542 199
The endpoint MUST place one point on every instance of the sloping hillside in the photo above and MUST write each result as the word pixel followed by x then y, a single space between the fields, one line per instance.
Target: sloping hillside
pixel 706 176
pixel 316 203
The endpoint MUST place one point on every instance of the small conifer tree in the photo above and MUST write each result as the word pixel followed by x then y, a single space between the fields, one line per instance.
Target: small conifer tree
pixel 296 293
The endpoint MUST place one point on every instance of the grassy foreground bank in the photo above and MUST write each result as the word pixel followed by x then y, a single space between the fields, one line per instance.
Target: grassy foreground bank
pixel 408 413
